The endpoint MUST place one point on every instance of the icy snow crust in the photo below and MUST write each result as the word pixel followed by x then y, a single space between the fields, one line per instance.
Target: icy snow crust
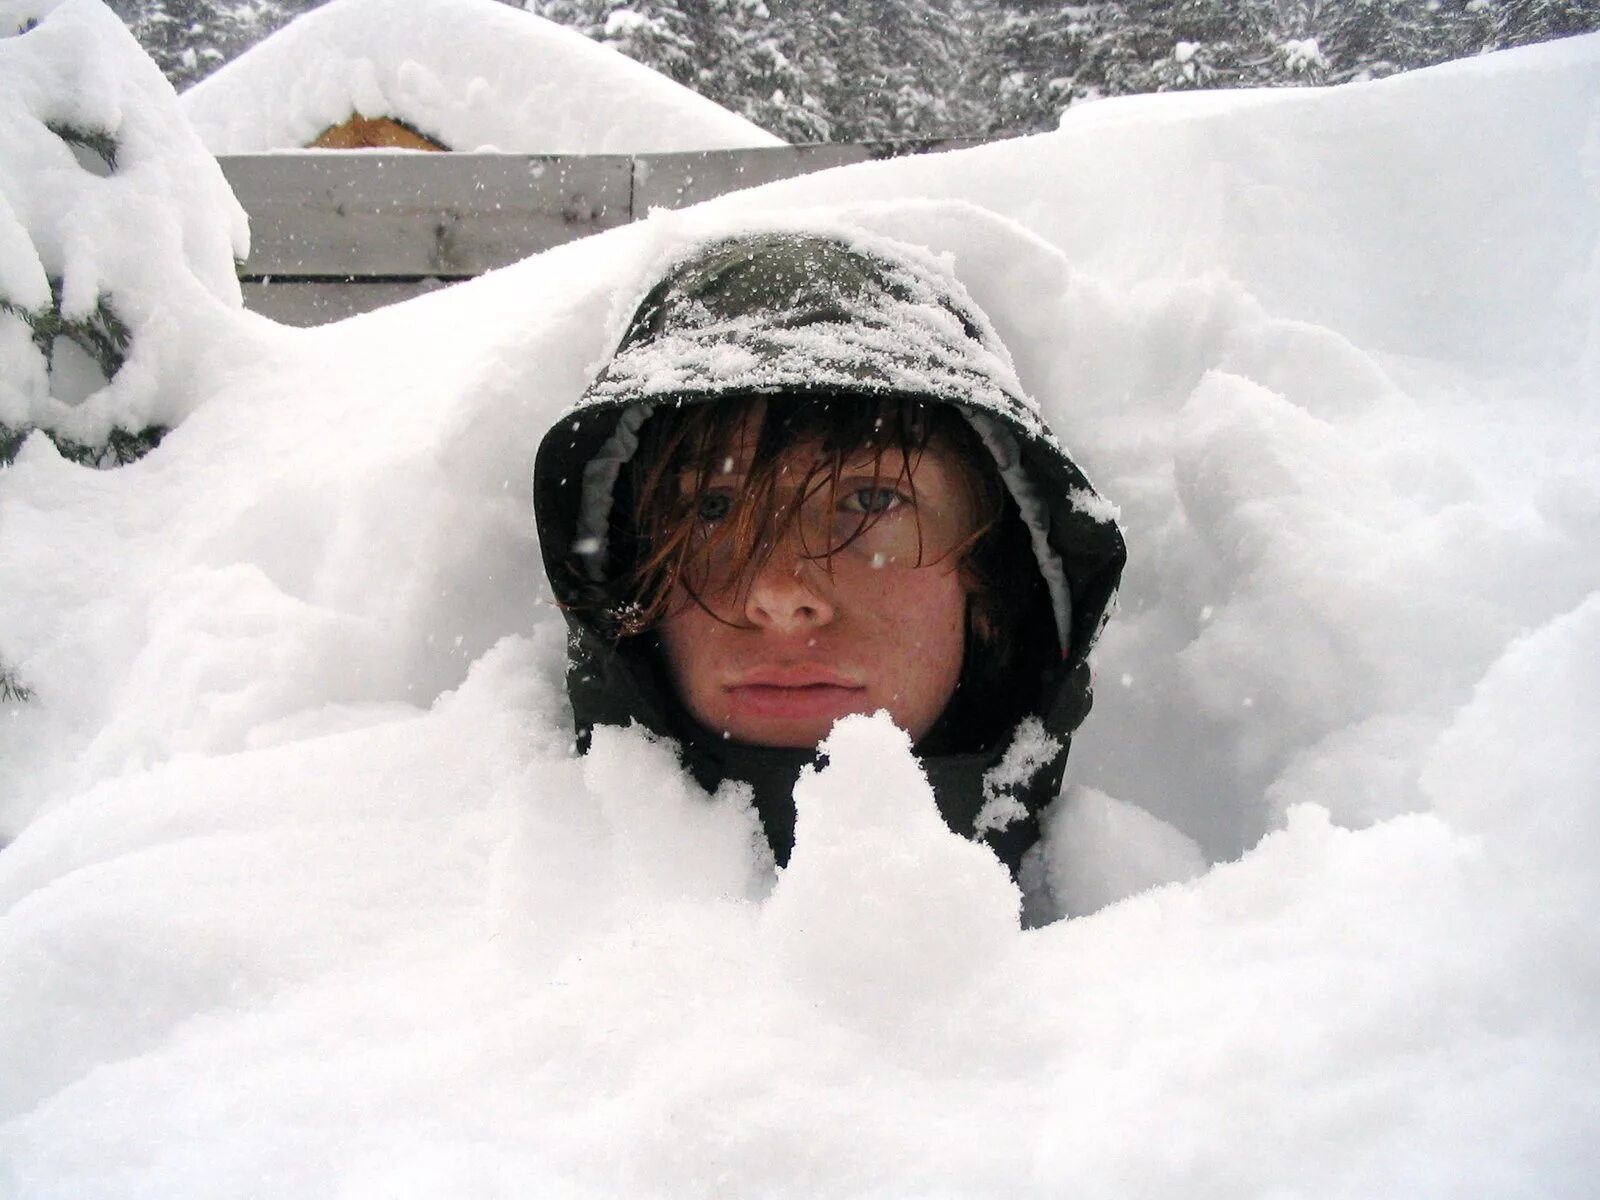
pixel 311 898
pixel 472 74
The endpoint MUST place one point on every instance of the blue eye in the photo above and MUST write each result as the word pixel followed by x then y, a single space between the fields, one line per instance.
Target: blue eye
pixel 714 506
pixel 874 501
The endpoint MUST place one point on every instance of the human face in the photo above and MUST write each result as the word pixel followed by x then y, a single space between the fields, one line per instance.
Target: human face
pixel 803 640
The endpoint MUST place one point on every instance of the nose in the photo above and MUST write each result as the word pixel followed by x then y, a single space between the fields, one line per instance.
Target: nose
pixel 789 592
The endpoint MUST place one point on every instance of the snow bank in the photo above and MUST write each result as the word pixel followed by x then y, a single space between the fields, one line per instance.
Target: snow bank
pixel 472 74
pixel 311 897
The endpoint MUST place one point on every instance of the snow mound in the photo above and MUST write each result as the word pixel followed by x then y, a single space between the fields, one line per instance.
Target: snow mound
pixel 886 915
pixel 310 895
pixel 470 74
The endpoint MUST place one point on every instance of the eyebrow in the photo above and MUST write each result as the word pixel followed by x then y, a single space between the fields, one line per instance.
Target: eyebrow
pixel 892 462
pixel 729 468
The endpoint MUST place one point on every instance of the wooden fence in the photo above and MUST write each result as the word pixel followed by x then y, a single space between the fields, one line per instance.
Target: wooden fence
pixel 333 234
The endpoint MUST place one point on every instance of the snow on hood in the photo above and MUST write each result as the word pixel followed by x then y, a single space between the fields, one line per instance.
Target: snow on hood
pixel 309 895
pixel 472 74
pixel 909 330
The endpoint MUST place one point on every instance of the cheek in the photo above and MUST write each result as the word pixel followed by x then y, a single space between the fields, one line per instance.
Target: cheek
pixel 928 665
pixel 922 636
pixel 928 607
pixel 698 652
pixel 689 639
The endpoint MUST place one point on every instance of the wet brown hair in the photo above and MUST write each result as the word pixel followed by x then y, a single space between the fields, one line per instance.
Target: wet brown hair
pixel 681 455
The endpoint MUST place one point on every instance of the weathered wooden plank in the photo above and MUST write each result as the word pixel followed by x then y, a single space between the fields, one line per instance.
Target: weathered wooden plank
pixel 329 213
pixel 679 180
pixel 684 178
pixel 356 231
pixel 304 302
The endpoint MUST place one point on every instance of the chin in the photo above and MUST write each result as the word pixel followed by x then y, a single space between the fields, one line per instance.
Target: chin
pixel 784 737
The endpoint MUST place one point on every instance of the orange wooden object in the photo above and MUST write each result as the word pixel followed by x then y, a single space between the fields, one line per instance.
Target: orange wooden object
pixel 360 132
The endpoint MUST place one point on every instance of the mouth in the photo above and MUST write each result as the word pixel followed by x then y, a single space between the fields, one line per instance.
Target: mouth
pixel 800 692
pixel 798 675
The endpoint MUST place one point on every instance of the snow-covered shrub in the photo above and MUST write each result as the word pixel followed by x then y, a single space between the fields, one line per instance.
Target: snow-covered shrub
pixel 118 235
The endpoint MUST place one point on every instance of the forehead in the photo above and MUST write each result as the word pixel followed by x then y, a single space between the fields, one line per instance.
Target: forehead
pixel 814 436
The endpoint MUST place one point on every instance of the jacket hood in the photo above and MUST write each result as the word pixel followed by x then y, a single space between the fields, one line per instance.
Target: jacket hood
pixel 795 314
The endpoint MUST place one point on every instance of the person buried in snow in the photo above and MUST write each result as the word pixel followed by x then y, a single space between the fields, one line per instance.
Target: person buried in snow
pixel 808 484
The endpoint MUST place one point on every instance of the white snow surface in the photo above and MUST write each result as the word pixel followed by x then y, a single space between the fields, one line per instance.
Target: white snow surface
pixel 472 74
pixel 310 897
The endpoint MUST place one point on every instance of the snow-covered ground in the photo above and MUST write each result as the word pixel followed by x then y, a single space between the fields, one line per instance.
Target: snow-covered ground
pixel 309 898
pixel 472 74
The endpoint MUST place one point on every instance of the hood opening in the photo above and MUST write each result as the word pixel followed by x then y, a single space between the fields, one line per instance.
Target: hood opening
pixel 793 314
pixel 593 537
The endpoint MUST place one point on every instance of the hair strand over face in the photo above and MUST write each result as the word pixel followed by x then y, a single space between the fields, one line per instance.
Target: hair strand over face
pixel 683 452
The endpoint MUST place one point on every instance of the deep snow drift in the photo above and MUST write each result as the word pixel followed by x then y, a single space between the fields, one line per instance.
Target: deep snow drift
pixel 310 898
pixel 473 74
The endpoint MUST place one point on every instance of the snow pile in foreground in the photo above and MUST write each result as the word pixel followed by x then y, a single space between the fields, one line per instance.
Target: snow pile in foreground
pixel 311 898
pixel 472 74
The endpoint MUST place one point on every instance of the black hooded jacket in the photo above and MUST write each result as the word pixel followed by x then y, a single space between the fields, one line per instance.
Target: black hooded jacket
pixel 790 314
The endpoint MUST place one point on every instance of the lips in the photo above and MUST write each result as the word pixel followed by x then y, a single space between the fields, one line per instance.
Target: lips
pixel 796 675
pixel 801 691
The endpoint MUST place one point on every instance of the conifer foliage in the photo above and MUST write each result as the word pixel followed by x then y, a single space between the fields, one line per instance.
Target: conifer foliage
pixel 891 69
pixel 191 38
pixel 807 72
pixel 1035 59
pixel 885 70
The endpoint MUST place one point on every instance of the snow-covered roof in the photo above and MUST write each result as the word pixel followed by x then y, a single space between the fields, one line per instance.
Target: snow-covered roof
pixel 472 74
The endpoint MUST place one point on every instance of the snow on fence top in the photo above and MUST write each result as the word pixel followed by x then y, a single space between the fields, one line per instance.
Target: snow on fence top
pixel 466 74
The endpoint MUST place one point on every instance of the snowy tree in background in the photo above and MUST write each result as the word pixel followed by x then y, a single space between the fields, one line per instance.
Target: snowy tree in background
pixel 1023 51
pixel 91 143
pixel 729 51
pixel 1524 22
pixel 892 69
pixel 807 73
pixel 191 38
pixel 900 72
pixel 1040 58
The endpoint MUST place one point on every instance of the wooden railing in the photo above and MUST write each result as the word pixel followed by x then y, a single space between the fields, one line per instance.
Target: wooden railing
pixel 333 234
